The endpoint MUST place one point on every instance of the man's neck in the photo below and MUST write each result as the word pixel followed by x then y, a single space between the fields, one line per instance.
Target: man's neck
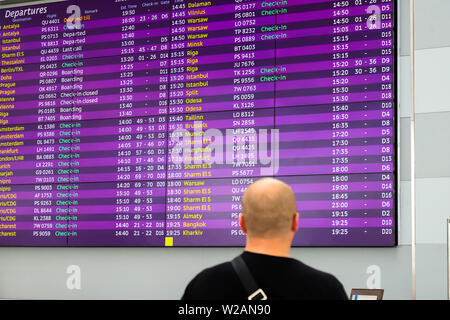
pixel 271 247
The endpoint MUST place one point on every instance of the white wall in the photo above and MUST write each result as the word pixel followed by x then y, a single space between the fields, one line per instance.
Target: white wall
pixel 162 273
pixel 432 140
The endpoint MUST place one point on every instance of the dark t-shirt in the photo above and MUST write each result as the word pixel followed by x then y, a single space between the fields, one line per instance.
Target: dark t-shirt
pixel 280 278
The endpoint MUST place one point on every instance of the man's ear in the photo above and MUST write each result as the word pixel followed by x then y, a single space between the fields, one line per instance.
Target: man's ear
pixel 242 224
pixel 294 226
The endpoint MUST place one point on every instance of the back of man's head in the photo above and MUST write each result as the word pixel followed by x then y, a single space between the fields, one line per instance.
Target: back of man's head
pixel 269 209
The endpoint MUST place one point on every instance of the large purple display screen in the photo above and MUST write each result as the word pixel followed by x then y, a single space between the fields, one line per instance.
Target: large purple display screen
pixel 141 123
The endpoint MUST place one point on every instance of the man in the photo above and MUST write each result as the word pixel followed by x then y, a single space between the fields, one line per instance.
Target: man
pixel 269 219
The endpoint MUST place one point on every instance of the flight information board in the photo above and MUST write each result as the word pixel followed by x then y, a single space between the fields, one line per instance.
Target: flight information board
pixel 141 123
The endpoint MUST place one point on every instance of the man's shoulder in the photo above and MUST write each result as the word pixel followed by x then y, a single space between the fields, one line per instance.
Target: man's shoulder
pixel 299 280
pixel 320 280
pixel 216 282
pixel 218 270
pixel 316 274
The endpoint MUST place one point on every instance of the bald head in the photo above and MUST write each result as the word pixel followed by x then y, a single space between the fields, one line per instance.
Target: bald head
pixel 268 208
